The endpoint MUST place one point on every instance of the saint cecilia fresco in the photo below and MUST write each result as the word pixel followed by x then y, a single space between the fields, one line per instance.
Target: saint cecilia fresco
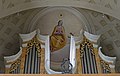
pixel 58 38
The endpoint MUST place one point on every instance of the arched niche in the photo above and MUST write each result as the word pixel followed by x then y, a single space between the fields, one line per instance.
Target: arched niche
pixel 45 20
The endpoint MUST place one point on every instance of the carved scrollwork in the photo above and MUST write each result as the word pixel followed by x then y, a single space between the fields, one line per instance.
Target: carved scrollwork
pixel 105 65
pixel 87 43
pixel 34 42
pixel 15 65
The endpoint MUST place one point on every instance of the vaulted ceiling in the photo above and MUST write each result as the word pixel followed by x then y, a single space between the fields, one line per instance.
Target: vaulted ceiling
pixel 12 22
pixel 110 7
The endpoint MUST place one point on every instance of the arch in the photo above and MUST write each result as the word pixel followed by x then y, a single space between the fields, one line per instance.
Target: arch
pixel 45 3
pixel 75 12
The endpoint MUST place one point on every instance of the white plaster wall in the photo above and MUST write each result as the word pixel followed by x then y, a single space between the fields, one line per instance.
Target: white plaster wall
pixel 108 26
pixel 10 27
pixel 71 23
pixel 110 7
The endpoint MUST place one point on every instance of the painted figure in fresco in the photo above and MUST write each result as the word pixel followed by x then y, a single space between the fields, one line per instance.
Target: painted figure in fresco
pixel 58 38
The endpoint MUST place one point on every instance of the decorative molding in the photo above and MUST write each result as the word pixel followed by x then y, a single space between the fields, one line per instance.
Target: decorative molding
pixel 110 60
pixel 91 37
pixel 78 39
pixel 72 56
pixel 101 6
pixel 13 57
pixel 45 11
pixel 27 37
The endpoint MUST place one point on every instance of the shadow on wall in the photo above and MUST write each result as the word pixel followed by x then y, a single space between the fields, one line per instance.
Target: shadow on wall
pixel 107 48
pixel 2 64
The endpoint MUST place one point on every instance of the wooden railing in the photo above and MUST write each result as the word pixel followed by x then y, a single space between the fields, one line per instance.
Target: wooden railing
pixel 59 74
